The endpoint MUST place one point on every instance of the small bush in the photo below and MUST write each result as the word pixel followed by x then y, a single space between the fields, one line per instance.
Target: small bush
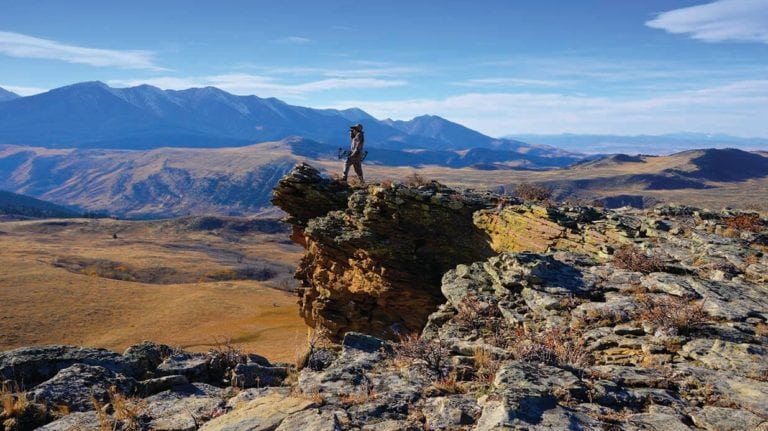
pixel 671 314
pixel 632 258
pixel 744 223
pixel 532 192
pixel 553 346
pixel 486 366
pixel 433 353
pixel 449 385
pixel 416 180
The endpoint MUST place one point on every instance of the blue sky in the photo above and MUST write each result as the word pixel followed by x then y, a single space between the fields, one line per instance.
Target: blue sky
pixel 499 66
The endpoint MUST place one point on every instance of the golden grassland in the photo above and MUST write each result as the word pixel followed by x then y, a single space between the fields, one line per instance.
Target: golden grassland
pixel 43 303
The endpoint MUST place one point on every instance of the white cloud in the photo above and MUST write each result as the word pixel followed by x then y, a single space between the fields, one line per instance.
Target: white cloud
pixel 719 21
pixel 738 108
pixel 24 91
pixel 510 82
pixel 245 84
pixel 294 40
pixel 23 46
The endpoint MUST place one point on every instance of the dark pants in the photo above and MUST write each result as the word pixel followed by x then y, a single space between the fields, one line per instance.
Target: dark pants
pixel 357 163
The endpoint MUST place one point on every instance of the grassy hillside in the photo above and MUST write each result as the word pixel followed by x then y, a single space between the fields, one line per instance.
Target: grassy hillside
pixel 20 205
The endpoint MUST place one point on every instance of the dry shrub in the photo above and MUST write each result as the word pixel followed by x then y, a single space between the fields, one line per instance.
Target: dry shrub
pixel 416 180
pixel 671 314
pixel 127 409
pixel 486 365
pixel 357 398
pixel 449 385
pixel 473 313
pixel 761 329
pixel 386 183
pixel 632 258
pixel 563 347
pixel 433 353
pixel 744 223
pixel 532 192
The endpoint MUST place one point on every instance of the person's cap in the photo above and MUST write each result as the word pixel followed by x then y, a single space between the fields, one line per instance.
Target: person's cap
pixel 357 126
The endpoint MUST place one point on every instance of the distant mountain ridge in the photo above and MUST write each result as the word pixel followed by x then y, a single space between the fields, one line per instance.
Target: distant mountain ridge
pixel 95 115
pixel 642 144
pixel 6 95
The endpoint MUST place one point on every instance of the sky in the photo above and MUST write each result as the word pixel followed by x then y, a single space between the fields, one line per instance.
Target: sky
pixel 502 67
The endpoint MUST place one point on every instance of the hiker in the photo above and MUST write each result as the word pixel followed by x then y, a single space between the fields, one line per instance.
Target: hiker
pixel 356 152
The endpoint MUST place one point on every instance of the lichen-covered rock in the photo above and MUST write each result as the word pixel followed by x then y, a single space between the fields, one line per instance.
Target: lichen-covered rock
pixel 28 366
pixel 77 386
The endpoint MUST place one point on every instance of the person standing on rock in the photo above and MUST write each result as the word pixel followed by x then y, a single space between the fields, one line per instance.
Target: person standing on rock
pixel 356 152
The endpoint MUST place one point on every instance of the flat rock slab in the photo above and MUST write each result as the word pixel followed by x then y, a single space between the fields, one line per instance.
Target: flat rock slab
pixel 261 414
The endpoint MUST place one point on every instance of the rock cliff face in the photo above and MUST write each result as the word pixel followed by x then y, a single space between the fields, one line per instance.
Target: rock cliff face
pixel 375 255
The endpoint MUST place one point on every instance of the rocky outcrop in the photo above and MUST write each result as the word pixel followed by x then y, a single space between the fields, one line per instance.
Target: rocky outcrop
pixel 375 255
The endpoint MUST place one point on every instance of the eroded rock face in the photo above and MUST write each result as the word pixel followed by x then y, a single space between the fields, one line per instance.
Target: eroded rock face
pixel 375 255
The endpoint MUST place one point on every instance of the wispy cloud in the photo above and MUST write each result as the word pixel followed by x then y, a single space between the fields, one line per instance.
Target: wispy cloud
pixel 246 84
pixel 736 108
pixel 719 21
pixel 510 82
pixel 23 46
pixel 294 40
pixel 24 91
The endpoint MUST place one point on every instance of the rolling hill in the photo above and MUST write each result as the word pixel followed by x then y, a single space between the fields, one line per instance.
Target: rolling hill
pixel 169 182
pixel 19 205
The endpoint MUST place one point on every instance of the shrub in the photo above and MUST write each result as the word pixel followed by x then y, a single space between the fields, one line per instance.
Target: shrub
pixel 744 223
pixel 416 180
pixel 433 353
pixel 532 192
pixel 486 365
pixel 553 346
pixel 671 314
pixel 633 259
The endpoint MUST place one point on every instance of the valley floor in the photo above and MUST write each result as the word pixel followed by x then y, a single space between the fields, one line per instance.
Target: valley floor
pixel 68 282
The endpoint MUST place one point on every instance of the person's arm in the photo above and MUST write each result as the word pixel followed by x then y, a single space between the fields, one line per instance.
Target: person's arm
pixel 355 145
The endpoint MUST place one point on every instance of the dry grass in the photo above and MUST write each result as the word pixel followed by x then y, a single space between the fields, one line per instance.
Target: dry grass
pixel 632 258
pixel 562 347
pixel 450 384
pixel 126 409
pixel 671 314
pixel 114 314
pixel 486 366
pixel 761 329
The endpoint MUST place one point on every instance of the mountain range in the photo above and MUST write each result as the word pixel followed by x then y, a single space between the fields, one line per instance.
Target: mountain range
pixel 95 115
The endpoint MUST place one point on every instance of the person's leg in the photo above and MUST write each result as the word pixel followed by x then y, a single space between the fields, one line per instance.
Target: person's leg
pixel 359 169
pixel 347 164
